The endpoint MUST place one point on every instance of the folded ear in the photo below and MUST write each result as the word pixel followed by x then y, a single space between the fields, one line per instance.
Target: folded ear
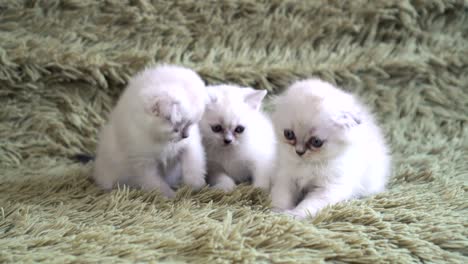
pixel 254 97
pixel 159 105
pixel 347 119
pixel 151 105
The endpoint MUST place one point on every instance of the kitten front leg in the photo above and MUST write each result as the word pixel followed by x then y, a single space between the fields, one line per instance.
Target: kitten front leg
pixel 222 181
pixel 149 178
pixel 283 193
pixel 194 164
pixel 319 198
pixel 261 176
pixel 108 167
pixel 104 176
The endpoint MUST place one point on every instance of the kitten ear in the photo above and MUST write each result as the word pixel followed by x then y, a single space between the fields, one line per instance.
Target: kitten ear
pixel 159 105
pixel 347 119
pixel 254 98
pixel 152 106
pixel 212 97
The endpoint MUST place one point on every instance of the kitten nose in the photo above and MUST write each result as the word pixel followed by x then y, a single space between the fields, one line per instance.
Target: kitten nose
pixel 185 133
pixel 227 141
pixel 300 152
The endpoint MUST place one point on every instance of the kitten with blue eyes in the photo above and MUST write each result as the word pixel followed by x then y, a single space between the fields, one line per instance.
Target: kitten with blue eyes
pixel 331 149
pixel 152 139
pixel 238 138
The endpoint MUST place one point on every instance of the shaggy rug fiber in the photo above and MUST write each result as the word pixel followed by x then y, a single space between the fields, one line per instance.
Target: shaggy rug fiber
pixel 64 63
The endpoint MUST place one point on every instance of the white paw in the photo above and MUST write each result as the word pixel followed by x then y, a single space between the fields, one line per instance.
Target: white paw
pixel 298 213
pixel 170 194
pixel 277 210
pixel 225 186
pixel 105 185
pixel 164 190
pixel 265 185
pixel 196 182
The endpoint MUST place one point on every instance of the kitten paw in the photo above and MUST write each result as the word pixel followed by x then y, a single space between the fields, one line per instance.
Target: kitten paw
pixel 277 210
pixel 196 182
pixel 298 213
pixel 225 186
pixel 170 194
pixel 104 185
pixel 162 188
pixel 263 186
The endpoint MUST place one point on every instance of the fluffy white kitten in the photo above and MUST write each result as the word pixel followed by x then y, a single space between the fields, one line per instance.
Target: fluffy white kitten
pixel 238 138
pixel 152 136
pixel 330 150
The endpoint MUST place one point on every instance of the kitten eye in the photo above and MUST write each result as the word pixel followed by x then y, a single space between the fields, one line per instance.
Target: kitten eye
pixel 217 128
pixel 289 134
pixel 315 142
pixel 239 129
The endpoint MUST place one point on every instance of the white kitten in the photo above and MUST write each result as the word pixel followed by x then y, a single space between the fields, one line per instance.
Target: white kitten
pixel 330 150
pixel 152 136
pixel 238 138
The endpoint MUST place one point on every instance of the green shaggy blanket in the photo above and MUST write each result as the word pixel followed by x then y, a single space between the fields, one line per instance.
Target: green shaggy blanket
pixel 63 64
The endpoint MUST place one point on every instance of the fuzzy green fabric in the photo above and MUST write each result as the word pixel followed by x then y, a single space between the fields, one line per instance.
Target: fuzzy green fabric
pixel 64 63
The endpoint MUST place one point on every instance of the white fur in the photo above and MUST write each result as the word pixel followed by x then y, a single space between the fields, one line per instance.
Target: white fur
pixel 252 152
pixel 353 162
pixel 139 147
